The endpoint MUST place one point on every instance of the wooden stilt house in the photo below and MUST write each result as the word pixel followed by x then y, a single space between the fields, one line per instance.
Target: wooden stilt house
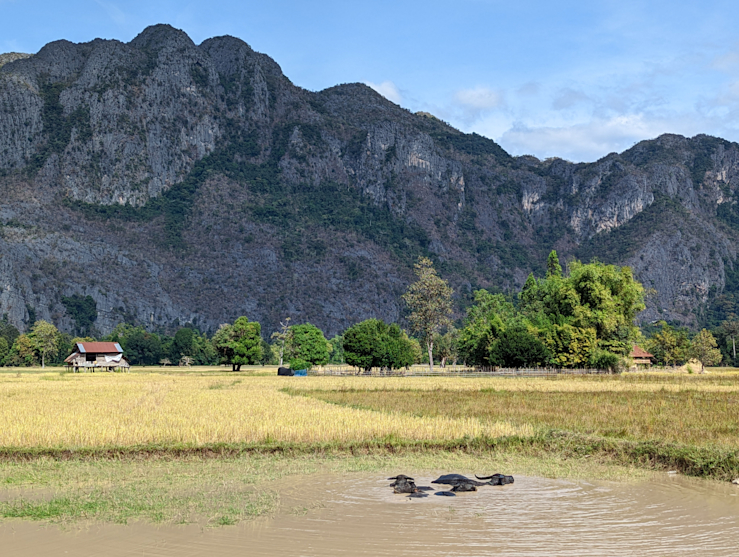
pixel 92 356
pixel 641 357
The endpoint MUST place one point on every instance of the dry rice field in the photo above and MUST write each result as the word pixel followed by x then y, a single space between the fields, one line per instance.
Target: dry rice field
pixel 70 411
pixel 112 410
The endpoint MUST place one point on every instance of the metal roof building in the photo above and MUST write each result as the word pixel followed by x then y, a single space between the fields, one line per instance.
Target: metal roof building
pixel 91 356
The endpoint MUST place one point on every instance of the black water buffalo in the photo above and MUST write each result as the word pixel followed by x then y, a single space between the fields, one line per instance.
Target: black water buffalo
pixel 463 483
pixel 406 484
pixel 458 482
pixel 496 479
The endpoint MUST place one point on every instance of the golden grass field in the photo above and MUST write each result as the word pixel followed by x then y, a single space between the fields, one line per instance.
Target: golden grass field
pixel 96 410
pixel 61 410
pixel 700 418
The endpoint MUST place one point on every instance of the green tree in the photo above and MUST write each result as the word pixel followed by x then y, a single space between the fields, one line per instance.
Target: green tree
pixel 307 345
pixel 446 346
pixel 609 300
pixel 430 302
pixel 595 306
pixel 268 355
pixel 485 321
pixel 731 329
pixel 554 269
pixel 704 349
pixel 23 352
pixel 239 344
pixel 416 349
pixel 203 352
pixel 668 345
pixel 517 347
pixel 222 342
pixel 139 346
pixel 143 348
pixel 570 346
pixel 182 345
pixel 4 349
pixel 529 297
pixel 64 348
pixel 247 343
pixel 374 343
pixel 45 337
pixel 602 359
pixel 336 354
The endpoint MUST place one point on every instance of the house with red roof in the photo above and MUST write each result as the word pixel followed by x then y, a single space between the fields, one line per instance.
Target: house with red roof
pixel 641 357
pixel 92 356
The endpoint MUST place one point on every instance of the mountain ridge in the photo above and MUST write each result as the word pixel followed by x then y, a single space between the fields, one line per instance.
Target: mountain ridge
pixel 176 183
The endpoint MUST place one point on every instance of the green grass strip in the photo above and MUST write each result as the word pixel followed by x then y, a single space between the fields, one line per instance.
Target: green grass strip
pixel 716 463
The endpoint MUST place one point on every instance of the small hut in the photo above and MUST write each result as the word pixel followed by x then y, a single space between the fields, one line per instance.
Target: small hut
pixel 641 357
pixel 91 356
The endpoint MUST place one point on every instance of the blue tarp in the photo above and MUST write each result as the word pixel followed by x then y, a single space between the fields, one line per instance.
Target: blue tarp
pixel 301 373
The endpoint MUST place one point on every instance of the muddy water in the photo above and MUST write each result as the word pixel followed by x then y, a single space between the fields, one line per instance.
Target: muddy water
pixel 347 515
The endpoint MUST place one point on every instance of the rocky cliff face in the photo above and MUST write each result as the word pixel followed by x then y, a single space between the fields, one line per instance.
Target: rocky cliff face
pixel 176 183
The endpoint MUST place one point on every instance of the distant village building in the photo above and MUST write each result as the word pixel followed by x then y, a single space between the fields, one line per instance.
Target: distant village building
pixel 92 356
pixel 641 357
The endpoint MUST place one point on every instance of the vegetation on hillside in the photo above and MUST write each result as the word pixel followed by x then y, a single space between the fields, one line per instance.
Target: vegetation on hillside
pixel 294 210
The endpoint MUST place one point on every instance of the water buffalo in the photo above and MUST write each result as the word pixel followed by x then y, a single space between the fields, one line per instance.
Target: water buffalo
pixel 463 483
pixel 458 482
pixel 406 484
pixel 496 479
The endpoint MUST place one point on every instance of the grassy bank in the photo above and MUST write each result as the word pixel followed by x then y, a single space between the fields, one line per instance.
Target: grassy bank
pixel 226 490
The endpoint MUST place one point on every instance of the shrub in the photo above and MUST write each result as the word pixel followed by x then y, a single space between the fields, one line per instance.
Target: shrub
pixel 602 359
pixel 299 364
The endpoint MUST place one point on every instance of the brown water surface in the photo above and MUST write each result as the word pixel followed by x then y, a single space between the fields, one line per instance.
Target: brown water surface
pixel 357 514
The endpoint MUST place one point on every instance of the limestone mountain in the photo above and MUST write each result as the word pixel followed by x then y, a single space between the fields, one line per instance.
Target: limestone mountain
pixel 173 182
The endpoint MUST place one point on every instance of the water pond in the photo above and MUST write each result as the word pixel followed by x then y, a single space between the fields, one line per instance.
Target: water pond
pixel 357 514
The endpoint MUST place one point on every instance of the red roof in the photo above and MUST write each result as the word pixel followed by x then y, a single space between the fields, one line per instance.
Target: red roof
pixel 99 347
pixel 637 352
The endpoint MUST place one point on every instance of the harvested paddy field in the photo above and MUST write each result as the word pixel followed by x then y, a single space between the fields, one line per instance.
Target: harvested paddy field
pixel 205 446
pixel 89 411
pixel 704 418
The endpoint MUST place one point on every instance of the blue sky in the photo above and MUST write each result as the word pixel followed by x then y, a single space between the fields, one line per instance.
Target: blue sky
pixel 572 79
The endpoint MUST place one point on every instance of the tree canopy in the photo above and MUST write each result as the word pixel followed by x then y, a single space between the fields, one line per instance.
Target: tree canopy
pixel 307 346
pixel 669 346
pixel 704 349
pixel 429 300
pixel 239 344
pixel 572 319
pixel 374 343
pixel 45 339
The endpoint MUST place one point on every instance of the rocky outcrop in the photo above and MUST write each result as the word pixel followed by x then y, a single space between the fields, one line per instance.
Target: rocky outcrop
pixel 176 182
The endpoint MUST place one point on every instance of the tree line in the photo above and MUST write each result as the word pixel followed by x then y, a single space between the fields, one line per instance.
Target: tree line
pixel 584 317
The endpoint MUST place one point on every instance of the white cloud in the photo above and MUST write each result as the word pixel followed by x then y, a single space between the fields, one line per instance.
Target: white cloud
pixel 387 89
pixel 593 139
pixel 479 98
pixel 569 98
pixel 588 110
